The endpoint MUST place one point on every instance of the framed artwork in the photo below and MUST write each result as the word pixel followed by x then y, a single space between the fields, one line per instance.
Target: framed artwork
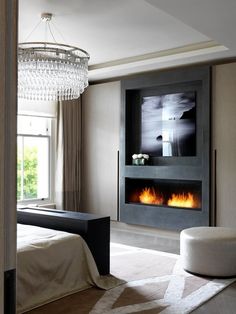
pixel 168 124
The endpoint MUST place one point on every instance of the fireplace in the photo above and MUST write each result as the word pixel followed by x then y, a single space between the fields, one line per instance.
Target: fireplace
pixel 164 193
pixel 167 116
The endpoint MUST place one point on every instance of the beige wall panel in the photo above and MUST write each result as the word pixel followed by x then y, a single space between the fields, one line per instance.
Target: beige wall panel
pixel 224 141
pixel 100 131
pixel 8 61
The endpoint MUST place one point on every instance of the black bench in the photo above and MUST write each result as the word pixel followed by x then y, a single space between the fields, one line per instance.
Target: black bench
pixel 94 229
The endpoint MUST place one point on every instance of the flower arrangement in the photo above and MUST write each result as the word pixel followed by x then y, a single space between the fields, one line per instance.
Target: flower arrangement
pixel 139 159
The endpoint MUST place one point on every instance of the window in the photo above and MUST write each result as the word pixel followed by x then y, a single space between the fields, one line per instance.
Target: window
pixel 34 158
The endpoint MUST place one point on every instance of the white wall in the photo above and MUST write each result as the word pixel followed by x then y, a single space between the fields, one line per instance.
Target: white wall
pixel 224 141
pixel 100 133
pixel 37 107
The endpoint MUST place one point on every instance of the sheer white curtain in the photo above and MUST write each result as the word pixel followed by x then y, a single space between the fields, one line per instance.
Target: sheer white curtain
pixel 68 163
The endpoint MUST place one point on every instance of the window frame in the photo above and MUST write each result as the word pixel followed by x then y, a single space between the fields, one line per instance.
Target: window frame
pixel 51 164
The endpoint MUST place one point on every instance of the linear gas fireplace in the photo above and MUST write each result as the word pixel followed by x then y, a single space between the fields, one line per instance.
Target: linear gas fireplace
pixel 165 193
pixel 167 116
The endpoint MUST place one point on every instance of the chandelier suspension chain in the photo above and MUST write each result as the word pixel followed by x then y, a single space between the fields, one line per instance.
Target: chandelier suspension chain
pixel 34 29
pixel 49 27
pixel 59 32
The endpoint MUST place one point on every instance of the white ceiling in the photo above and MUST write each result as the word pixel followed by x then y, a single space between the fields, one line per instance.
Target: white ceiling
pixel 130 36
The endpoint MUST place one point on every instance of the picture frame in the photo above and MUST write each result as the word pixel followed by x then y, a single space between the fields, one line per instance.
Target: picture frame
pixel 168 124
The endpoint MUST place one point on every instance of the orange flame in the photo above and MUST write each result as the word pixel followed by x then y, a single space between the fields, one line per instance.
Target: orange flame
pixel 183 200
pixel 150 196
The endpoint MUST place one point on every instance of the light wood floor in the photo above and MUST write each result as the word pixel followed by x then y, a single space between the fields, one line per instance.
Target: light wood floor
pixel 222 303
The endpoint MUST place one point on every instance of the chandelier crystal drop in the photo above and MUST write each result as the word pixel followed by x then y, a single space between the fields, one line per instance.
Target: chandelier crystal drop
pixel 51 71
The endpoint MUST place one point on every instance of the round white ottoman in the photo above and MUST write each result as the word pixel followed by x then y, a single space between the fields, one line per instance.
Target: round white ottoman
pixel 209 251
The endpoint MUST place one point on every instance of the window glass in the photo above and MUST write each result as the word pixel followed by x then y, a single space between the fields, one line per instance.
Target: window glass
pixel 33 158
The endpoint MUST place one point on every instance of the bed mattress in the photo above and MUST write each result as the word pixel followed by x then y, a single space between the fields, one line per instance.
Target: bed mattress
pixel 52 264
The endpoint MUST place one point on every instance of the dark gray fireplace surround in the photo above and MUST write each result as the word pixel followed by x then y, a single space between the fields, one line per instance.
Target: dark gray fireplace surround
pixel 178 169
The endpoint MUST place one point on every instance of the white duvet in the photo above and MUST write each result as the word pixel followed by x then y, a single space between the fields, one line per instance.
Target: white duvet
pixel 52 264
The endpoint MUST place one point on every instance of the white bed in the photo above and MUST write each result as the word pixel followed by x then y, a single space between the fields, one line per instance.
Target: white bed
pixel 52 264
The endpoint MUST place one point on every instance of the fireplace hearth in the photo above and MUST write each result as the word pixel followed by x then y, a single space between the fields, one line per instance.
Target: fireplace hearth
pixel 166 115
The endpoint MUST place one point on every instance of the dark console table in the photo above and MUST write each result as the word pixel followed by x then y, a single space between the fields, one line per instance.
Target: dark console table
pixel 94 229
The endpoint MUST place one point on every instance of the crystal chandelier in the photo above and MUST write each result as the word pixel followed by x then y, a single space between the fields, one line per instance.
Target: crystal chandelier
pixel 51 71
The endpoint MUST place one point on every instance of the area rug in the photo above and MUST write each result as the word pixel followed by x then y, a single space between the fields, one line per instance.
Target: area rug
pixel 154 283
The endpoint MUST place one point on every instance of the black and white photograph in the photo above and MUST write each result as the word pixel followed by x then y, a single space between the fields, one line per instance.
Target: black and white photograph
pixel 168 125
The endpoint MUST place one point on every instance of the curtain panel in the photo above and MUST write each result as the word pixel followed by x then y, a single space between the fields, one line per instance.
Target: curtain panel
pixel 68 163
